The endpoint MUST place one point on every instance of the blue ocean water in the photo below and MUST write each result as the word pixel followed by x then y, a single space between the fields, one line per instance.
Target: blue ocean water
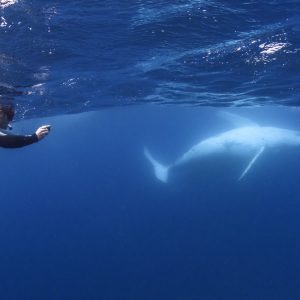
pixel 82 215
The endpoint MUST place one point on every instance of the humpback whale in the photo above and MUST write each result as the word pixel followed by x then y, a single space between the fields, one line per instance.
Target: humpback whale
pixel 250 140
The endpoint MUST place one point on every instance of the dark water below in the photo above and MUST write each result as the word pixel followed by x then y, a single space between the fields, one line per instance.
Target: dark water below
pixel 83 217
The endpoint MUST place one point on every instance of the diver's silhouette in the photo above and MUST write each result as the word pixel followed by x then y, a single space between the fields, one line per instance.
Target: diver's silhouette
pixel 8 140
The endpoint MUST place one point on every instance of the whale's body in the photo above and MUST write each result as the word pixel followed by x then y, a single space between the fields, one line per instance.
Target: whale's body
pixel 246 140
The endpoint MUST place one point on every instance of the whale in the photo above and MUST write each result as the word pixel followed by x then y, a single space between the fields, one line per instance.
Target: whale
pixel 249 140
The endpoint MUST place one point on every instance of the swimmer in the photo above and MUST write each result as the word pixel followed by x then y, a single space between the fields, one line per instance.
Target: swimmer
pixel 8 140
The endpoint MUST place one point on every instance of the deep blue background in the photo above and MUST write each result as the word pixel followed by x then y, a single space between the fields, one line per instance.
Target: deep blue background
pixel 83 217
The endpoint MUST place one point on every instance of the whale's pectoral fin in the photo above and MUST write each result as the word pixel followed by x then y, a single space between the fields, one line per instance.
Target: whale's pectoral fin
pixel 260 151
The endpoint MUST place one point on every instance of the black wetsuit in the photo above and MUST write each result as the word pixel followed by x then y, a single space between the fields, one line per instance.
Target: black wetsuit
pixel 16 141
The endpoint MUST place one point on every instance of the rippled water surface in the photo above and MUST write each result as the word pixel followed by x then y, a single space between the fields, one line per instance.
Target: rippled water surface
pixel 59 57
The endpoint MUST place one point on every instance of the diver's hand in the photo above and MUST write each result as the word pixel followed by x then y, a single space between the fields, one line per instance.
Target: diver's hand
pixel 42 131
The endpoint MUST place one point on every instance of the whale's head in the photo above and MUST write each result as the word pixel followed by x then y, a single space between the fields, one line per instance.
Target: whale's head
pixel 275 137
pixel 293 138
pixel 298 137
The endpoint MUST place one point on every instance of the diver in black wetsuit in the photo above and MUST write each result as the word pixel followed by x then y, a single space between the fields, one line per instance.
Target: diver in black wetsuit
pixel 7 140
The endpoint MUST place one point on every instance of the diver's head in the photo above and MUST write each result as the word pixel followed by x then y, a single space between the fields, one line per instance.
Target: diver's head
pixel 7 112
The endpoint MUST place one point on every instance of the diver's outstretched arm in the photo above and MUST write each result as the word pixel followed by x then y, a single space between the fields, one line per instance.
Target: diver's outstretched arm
pixel 18 141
